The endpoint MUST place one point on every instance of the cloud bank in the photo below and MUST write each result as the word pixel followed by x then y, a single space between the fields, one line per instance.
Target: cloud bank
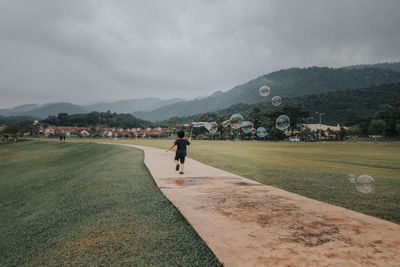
pixel 87 51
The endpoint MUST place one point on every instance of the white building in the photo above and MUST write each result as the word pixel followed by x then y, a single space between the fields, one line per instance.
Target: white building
pixel 323 127
pixel 84 133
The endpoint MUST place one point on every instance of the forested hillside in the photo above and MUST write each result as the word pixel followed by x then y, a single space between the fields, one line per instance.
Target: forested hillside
pixel 291 83
pixel 343 106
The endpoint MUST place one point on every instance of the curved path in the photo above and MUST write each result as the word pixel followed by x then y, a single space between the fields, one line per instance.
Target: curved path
pixel 246 223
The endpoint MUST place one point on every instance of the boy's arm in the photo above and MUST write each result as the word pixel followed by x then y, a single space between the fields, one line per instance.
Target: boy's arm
pixel 170 148
pixel 190 141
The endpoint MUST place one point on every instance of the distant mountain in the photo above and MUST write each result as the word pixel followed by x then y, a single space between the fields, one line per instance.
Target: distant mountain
pixel 123 106
pixel 18 109
pixel 55 108
pixel 42 111
pixel 344 106
pixel 132 105
pixel 387 66
pixel 292 82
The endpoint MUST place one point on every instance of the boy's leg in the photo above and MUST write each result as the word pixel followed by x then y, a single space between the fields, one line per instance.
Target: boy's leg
pixel 182 164
pixel 177 163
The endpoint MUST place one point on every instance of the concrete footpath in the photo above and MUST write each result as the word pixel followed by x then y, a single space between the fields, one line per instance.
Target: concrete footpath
pixel 246 223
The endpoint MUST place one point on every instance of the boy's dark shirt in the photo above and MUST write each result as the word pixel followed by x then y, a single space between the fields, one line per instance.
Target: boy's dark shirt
pixel 181 146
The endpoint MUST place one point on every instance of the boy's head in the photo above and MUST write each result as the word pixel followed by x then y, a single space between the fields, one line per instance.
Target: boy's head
pixel 181 134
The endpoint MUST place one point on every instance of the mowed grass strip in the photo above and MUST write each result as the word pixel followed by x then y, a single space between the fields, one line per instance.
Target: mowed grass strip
pixel 91 205
pixel 316 170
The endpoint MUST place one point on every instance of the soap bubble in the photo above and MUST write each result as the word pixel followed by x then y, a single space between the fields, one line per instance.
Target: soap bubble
pixel 282 122
pixel 276 101
pixel 261 132
pixel 365 184
pixel 264 90
pixel 225 123
pixel 236 121
pixel 352 178
pixel 212 127
pixel 247 126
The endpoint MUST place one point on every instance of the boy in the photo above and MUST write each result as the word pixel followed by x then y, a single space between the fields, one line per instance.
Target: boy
pixel 180 155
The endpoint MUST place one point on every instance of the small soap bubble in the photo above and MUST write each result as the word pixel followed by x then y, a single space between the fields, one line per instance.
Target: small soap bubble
pixel 261 132
pixel 264 90
pixel 282 122
pixel 276 101
pixel 365 184
pixel 247 126
pixel 212 127
pixel 226 123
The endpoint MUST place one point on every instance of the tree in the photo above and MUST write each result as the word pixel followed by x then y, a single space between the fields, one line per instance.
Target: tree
pixel 305 132
pixel 387 113
pixel 377 127
pixel 354 130
pixel 276 134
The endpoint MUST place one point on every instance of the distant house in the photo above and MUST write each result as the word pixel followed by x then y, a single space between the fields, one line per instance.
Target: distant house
pixel 323 127
pixel 49 131
pixel 109 132
pixel 84 133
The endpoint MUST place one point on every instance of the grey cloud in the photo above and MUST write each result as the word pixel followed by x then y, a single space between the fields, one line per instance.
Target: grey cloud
pixel 85 51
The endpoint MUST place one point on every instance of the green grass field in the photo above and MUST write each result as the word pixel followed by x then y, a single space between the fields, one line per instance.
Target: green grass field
pixel 89 205
pixel 316 170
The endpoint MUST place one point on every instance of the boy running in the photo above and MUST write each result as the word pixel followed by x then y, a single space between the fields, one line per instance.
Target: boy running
pixel 180 155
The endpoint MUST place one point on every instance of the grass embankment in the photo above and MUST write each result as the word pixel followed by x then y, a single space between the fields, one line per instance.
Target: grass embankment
pixel 316 170
pixel 88 204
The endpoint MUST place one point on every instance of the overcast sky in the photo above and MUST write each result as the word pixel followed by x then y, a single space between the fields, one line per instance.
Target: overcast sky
pixel 87 51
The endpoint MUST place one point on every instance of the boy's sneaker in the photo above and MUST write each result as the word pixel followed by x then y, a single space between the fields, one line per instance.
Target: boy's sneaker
pixel 177 167
pixel 181 172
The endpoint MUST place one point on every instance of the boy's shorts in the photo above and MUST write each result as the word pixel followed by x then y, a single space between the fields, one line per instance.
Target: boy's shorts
pixel 180 157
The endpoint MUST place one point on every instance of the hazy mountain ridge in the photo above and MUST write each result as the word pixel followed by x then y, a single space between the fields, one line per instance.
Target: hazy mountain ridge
pixel 18 109
pixel 123 106
pixel 44 110
pixel 395 66
pixel 292 82
pixel 132 105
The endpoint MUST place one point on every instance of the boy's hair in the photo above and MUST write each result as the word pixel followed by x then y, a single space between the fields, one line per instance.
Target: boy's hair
pixel 181 134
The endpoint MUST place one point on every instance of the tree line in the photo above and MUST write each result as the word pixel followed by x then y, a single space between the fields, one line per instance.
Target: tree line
pixel 95 118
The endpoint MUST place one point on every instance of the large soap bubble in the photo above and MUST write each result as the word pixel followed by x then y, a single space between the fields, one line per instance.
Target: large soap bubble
pixel 264 90
pixel 276 100
pixel 365 184
pixel 261 132
pixel 236 121
pixel 247 126
pixel 199 124
pixel 212 127
pixel 282 122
